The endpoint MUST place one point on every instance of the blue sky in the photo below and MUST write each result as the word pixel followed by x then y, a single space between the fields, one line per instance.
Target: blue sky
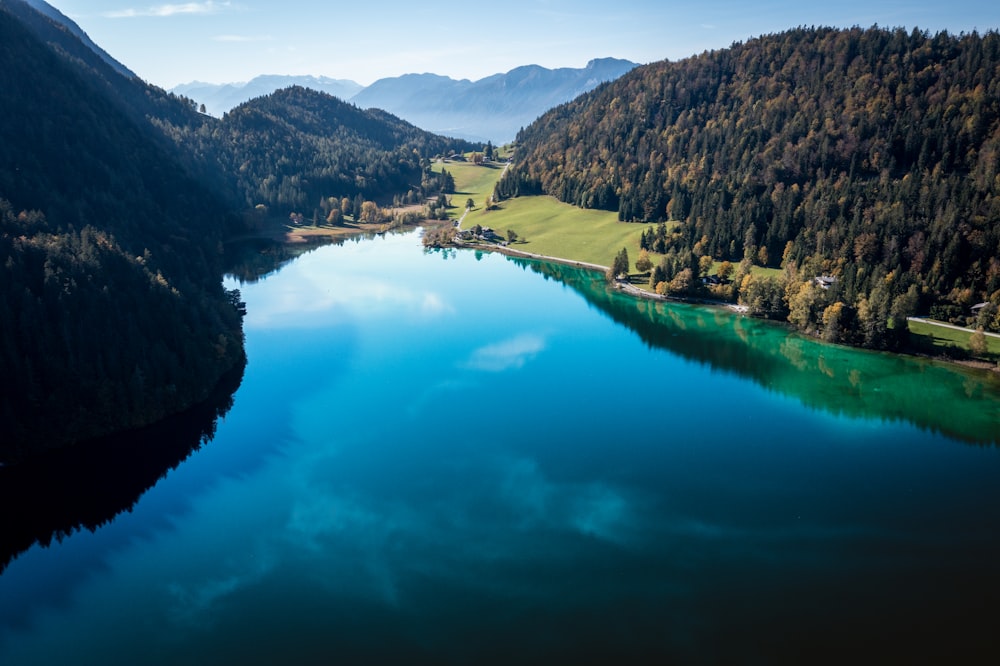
pixel 168 43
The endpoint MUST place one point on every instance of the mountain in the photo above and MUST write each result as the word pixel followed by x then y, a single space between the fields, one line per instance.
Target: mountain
pixel 220 98
pixel 493 108
pixel 297 146
pixel 57 17
pixel 490 109
pixel 870 157
pixel 112 314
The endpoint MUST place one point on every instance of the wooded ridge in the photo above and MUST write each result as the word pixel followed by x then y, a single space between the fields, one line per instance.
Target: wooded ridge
pixel 869 157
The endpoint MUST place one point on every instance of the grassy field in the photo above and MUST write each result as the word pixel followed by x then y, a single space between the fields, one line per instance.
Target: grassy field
pixel 560 230
pixel 551 227
pixel 940 340
pixel 471 182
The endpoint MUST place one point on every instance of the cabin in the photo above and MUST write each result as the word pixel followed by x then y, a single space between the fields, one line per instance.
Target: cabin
pixel 825 281
pixel 714 280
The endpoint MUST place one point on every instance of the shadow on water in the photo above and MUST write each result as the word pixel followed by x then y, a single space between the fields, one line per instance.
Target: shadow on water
pixel 86 486
pixel 958 402
pixel 253 259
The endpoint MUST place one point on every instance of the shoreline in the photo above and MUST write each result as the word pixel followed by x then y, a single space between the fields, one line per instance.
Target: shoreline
pixel 308 234
pixel 625 287
pixel 296 236
pixel 635 292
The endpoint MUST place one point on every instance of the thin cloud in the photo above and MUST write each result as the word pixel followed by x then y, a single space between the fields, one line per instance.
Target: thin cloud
pixel 161 11
pixel 242 38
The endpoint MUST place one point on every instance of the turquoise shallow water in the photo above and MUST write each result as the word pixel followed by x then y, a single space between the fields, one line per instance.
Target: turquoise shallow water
pixel 448 458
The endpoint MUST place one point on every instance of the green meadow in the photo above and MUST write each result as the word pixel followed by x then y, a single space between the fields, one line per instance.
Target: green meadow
pixel 543 224
pixel 933 339
pixel 552 228
pixel 471 182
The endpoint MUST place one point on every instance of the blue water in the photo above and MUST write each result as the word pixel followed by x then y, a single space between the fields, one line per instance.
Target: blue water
pixel 446 458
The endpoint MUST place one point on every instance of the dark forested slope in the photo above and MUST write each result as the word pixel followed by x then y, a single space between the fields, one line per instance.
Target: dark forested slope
pixel 871 156
pixel 112 313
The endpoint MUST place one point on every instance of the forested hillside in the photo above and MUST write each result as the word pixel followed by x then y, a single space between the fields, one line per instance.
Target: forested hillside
pixel 868 156
pixel 112 313
pixel 115 201
pixel 295 147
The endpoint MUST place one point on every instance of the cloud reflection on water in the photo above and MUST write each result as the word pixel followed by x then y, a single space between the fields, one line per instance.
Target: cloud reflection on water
pixel 299 308
pixel 509 354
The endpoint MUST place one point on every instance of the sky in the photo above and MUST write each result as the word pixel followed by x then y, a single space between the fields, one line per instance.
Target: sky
pixel 225 41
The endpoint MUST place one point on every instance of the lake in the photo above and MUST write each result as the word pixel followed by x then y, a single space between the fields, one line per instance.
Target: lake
pixel 454 457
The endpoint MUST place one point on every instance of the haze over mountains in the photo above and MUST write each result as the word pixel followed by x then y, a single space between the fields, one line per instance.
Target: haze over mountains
pixel 221 98
pixel 490 109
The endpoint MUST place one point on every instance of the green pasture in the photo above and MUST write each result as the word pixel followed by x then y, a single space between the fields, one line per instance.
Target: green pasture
pixel 471 182
pixel 934 339
pixel 549 226
pixel 556 229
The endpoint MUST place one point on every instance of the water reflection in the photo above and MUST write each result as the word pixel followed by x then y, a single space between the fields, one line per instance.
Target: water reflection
pixel 253 259
pixel 517 479
pixel 86 486
pixel 959 402
pixel 508 354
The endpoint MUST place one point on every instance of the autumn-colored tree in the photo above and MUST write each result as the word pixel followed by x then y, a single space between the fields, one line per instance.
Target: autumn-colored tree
pixel 682 282
pixel 977 343
pixel 370 212
pixel 705 263
pixel 643 263
pixel 833 322
pixel 803 306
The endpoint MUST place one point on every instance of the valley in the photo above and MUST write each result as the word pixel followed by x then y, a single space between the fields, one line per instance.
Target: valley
pixel 691 361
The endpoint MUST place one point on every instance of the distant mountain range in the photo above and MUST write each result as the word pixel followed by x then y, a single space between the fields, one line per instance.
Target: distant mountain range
pixel 490 109
pixel 220 98
pixel 493 108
